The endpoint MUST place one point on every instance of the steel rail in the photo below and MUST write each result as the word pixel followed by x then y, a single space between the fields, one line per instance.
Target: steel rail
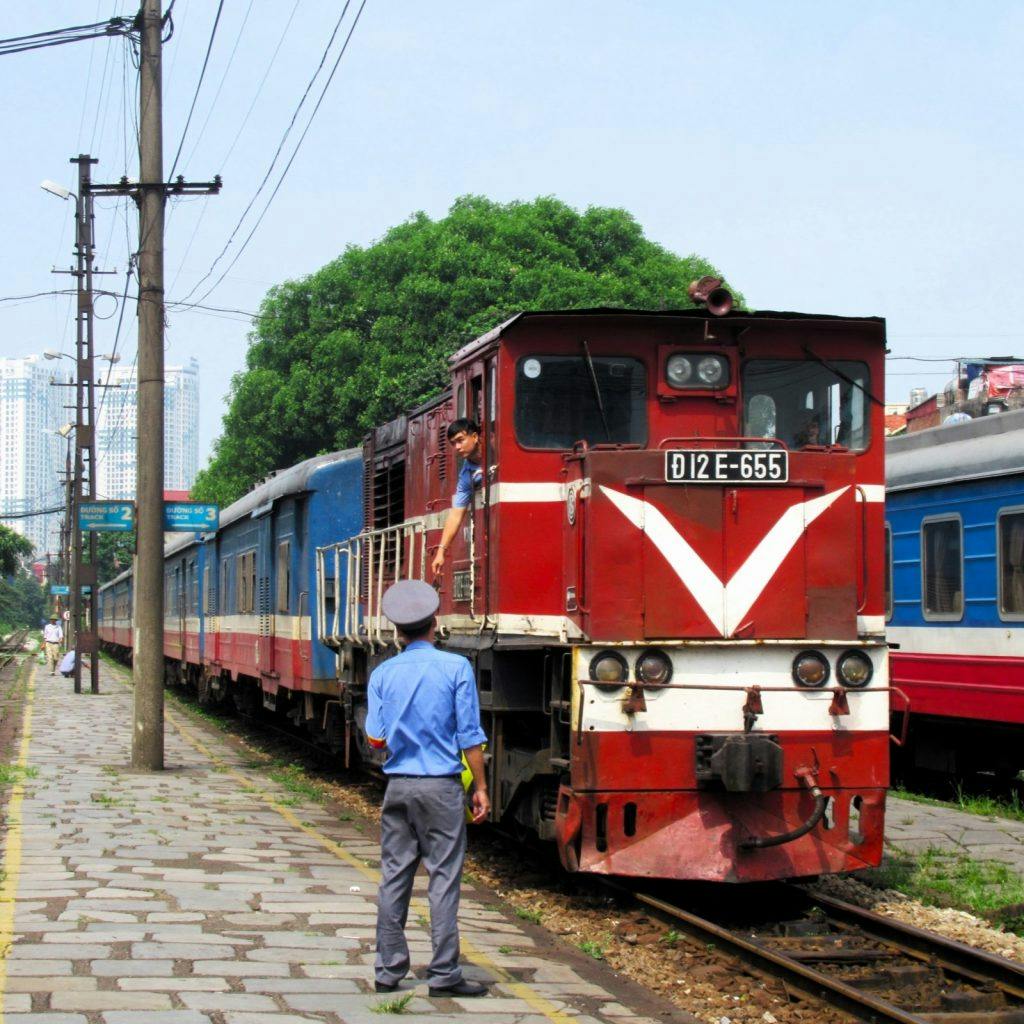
pixel 976 965
pixel 797 975
pixel 970 964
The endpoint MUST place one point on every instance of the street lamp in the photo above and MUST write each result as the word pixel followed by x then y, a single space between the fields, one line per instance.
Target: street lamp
pixel 56 190
pixel 110 357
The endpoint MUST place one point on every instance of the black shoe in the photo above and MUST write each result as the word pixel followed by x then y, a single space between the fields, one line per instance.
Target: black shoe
pixel 380 986
pixel 460 988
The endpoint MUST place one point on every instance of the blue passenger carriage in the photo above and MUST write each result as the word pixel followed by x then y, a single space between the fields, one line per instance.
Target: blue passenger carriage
pixel 955 599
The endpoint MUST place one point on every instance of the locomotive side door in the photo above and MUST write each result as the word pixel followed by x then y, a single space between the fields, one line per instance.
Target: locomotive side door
pixel 469 557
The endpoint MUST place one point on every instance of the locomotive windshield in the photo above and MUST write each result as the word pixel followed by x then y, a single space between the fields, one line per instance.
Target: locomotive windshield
pixel 559 401
pixel 807 403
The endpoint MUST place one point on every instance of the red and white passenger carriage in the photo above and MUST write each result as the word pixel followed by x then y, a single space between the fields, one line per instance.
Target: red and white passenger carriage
pixel 670 584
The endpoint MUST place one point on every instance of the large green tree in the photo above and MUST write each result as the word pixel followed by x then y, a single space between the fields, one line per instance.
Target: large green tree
pixel 21 597
pixel 368 335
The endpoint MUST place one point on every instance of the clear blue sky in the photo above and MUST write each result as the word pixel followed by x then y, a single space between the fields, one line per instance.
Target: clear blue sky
pixel 838 158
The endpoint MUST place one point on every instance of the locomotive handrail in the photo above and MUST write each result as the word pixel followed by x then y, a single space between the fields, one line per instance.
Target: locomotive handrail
pixel 862 500
pixel 741 689
pixel 717 439
pixel 366 556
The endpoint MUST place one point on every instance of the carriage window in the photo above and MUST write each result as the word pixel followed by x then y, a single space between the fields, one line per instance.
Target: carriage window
pixel 942 595
pixel 805 403
pixel 1011 564
pixel 887 570
pixel 284 575
pixel 224 587
pixel 245 582
pixel 557 401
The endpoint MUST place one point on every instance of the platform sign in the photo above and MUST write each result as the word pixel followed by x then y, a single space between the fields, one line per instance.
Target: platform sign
pixel 102 516
pixel 58 590
pixel 190 517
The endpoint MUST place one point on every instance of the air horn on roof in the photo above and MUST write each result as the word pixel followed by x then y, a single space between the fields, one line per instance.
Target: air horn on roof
pixel 708 291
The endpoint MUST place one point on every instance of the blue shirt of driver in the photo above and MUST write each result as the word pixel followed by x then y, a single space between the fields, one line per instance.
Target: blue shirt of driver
pixel 423 703
pixel 470 476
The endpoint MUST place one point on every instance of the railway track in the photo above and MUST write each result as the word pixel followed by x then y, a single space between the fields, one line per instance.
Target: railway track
pixel 872 967
pixel 11 645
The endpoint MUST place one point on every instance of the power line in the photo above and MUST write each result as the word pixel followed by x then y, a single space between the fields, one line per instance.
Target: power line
pixel 199 85
pixel 238 134
pixel 280 147
pixel 62 36
pixel 30 515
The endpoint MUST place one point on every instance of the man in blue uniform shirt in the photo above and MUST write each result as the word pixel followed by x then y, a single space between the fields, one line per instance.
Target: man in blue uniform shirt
pixel 423 707
pixel 464 437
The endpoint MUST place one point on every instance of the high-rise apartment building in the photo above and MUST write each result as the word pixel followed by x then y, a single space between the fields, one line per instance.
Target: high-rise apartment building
pixel 116 431
pixel 32 452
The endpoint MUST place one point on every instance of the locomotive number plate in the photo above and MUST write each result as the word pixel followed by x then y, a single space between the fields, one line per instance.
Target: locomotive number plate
pixel 726 465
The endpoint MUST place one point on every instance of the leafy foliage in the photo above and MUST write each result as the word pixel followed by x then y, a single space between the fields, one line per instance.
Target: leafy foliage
pixel 13 548
pixel 114 553
pixel 368 335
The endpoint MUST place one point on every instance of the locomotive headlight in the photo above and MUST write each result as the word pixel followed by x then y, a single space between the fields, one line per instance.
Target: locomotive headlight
pixel 712 371
pixel 855 669
pixel 609 667
pixel 653 668
pixel 810 669
pixel 678 371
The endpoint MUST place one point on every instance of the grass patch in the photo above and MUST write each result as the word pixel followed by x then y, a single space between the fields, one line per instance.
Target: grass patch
pixel 987 888
pixel 505 949
pixel 12 774
pixel 105 800
pixel 397 1005
pixel 526 914
pixel 592 949
pixel 294 778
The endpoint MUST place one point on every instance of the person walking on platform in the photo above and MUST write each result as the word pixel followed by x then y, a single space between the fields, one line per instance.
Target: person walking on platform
pixel 423 706
pixel 53 637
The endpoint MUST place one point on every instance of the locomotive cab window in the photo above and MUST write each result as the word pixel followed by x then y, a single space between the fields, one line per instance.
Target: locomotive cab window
pixel 942 568
pixel 1011 564
pixel 566 398
pixel 806 404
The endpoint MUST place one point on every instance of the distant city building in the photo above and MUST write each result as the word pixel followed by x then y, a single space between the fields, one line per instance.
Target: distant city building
pixel 116 432
pixel 31 451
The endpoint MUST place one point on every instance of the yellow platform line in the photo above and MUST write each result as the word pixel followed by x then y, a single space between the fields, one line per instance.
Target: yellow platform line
pixel 12 846
pixel 475 955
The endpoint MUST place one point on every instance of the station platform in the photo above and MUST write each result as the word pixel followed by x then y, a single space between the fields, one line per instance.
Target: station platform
pixel 913 827
pixel 208 894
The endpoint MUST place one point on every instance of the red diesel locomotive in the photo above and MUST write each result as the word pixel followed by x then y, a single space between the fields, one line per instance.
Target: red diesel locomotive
pixel 670 583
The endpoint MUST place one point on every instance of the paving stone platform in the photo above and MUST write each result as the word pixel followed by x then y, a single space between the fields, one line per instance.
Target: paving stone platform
pixel 913 828
pixel 207 894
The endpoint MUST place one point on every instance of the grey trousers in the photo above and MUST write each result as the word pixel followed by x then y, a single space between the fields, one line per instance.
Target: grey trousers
pixel 422 819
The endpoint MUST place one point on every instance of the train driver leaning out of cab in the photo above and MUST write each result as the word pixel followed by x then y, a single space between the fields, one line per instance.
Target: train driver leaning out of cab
pixel 423 706
pixel 53 637
pixel 464 436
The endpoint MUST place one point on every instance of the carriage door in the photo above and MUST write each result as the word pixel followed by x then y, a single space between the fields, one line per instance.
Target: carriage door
pixel 264 610
pixel 181 593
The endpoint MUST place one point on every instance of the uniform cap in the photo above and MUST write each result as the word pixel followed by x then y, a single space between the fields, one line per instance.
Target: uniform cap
pixel 410 604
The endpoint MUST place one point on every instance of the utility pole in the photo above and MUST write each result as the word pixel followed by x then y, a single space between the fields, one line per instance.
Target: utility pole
pixel 148 660
pixel 83 557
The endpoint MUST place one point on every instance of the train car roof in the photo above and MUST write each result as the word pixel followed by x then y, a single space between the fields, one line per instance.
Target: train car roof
pixel 285 482
pixel 986 447
pixel 694 313
pixel 282 484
